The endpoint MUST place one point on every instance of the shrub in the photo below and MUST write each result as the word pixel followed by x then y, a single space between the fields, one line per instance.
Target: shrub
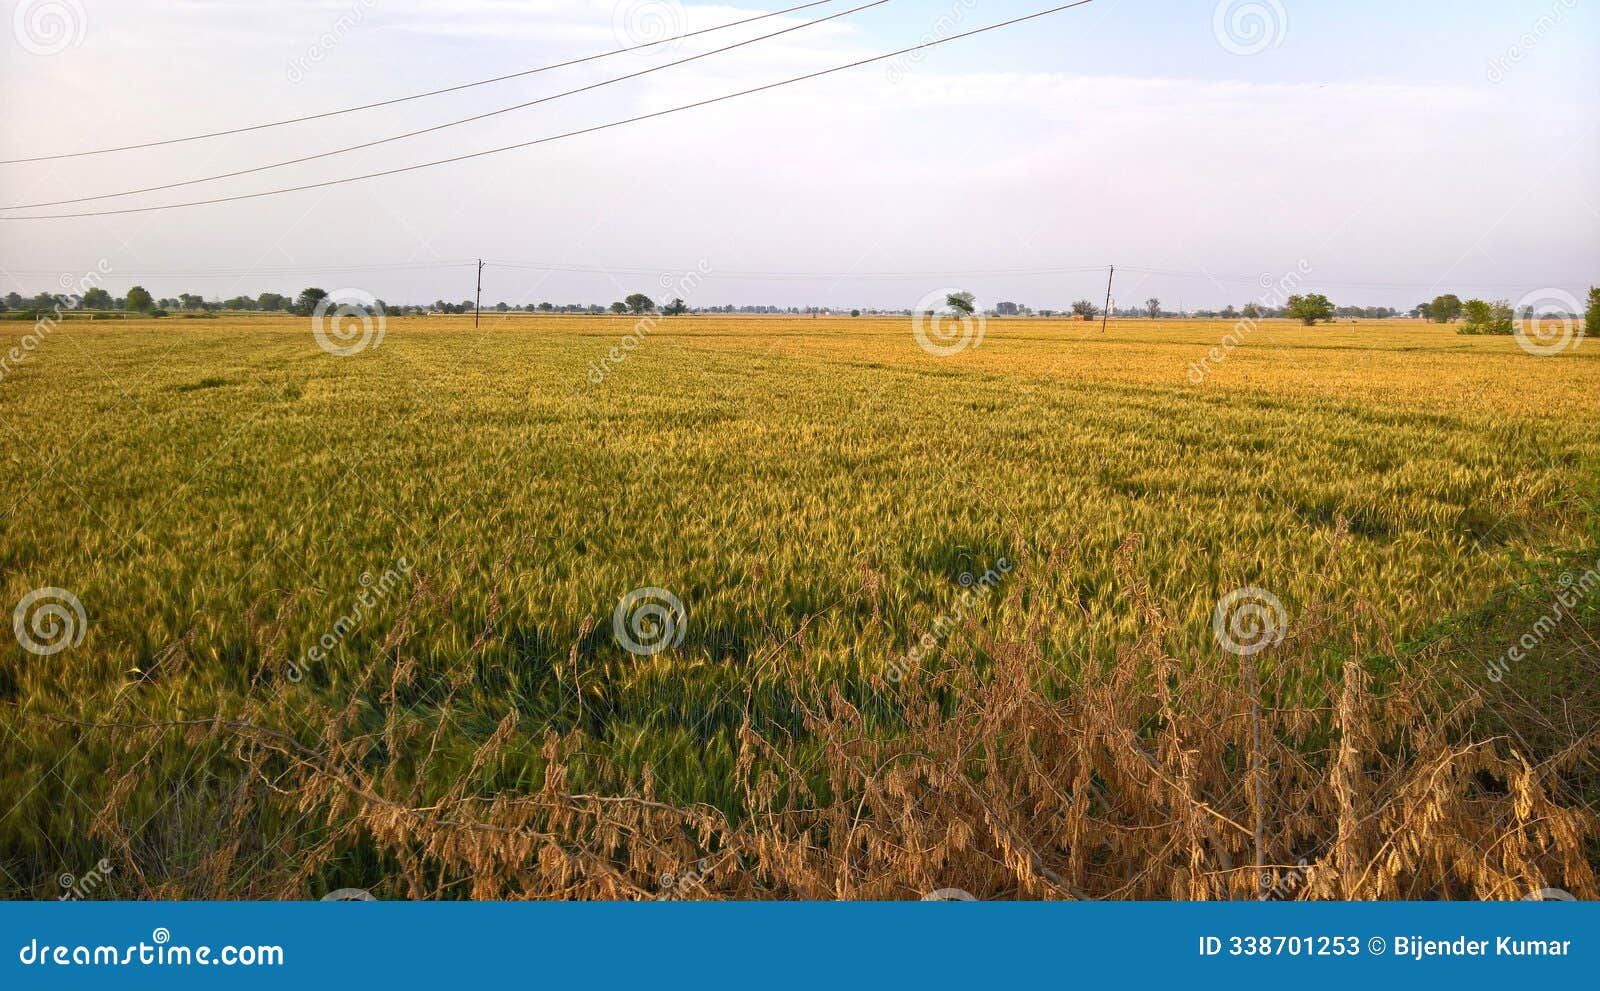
pixel 1486 318
pixel 1153 777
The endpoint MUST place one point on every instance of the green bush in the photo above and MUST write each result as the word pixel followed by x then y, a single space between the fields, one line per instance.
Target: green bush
pixel 1486 318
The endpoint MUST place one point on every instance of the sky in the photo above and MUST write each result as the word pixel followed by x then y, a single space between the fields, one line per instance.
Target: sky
pixel 1389 152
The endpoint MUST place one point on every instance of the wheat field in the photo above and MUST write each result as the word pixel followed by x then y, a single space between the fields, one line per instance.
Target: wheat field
pixel 327 598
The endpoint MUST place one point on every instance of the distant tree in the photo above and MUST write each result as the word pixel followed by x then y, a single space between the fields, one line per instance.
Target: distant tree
pixel 502 307
pixel 1445 309
pixel 139 300
pixel 1591 317
pixel 1006 309
pixel 1086 309
pixel 639 303
pixel 14 300
pixel 96 299
pixel 240 303
pixel 1310 308
pixel 675 308
pixel 619 307
pixel 272 302
pixel 855 313
pixel 1152 307
pixel 1487 318
pixel 546 307
pixel 963 303
pixel 306 303
pixel 1251 311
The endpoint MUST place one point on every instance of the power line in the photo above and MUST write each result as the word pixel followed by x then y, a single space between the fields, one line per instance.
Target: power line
pixel 756 276
pixel 539 266
pixel 768 275
pixel 416 96
pixel 568 134
pixel 1260 280
pixel 222 273
pixel 447 124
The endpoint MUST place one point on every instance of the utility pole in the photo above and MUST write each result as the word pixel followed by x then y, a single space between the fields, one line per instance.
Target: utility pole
pixel 477 306
pixel 1105 314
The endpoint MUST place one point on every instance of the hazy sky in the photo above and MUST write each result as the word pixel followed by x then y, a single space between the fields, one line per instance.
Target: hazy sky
pixel 1395 150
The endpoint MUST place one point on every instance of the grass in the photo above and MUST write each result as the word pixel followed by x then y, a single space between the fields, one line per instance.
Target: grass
pixel 219 496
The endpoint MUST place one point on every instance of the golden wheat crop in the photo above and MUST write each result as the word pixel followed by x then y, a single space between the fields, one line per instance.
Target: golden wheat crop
pixel 360 609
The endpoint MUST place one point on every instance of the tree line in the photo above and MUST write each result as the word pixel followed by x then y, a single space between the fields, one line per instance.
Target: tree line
pixel 1311 308
pixel 1476 316
pixel 139 300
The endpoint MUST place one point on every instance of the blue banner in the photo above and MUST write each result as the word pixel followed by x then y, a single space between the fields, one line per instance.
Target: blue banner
pixel 932 944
